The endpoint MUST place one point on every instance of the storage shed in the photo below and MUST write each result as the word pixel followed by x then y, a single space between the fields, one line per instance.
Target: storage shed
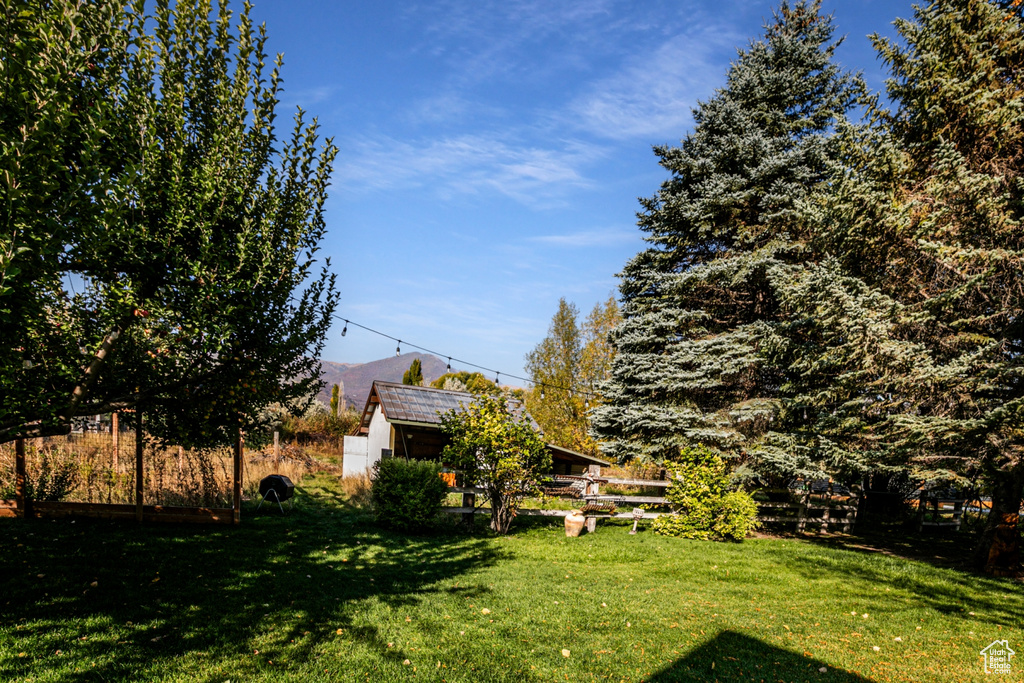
pixel 405 421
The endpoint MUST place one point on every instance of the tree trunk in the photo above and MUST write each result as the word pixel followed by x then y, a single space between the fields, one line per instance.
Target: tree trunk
pixel 998 551
pixel 502 512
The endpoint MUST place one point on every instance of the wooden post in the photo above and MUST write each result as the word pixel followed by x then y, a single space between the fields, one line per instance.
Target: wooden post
pixel 236 475
pixel 592 489
pixel 19 478
pixel 277 445
pixel 138 463
pixel 181 462
pixel 469 501
pixel 114 434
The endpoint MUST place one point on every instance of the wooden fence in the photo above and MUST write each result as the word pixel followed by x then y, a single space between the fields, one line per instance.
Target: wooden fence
pixel 825 511
pixel 24 506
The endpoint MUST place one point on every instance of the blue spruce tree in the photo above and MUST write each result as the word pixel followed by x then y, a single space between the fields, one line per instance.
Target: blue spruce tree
pixel 727 232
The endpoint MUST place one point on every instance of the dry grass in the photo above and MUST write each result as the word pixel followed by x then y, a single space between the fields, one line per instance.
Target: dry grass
pixel 357 489
pixel 85 468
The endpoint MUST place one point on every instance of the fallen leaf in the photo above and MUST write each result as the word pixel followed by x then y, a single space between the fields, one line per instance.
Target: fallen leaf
pixel 407 662
pixel 875 648
pixel 566 653
pixel 485 611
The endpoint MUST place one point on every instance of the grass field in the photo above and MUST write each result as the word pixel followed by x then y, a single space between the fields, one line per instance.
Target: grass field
pixel 323 595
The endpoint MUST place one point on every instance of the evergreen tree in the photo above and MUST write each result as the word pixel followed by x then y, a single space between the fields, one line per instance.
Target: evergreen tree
pixel 727 232
pixel 918 316
pixel 414 375
pixel 335 398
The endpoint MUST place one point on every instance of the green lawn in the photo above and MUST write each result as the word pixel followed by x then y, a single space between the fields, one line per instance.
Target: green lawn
pixel 323 595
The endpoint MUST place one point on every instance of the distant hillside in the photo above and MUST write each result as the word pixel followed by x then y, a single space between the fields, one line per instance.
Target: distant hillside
pixel 356 378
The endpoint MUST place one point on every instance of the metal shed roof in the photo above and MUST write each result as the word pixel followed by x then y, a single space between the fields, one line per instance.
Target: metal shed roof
pixel 421 405
pixel 406 404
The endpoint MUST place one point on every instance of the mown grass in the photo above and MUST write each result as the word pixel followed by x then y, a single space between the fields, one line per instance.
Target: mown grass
pixel 323 595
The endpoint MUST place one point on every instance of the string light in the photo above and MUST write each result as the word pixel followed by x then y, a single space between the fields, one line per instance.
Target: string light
pixel 497 373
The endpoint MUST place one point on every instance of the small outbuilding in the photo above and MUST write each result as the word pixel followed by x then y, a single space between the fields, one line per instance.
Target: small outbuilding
pixel 405 421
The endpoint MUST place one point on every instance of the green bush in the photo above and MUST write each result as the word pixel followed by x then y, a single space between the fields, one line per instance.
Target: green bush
pixel 703 506
pixel 407 494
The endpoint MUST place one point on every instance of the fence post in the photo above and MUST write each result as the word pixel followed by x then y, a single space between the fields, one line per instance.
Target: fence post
pixel 277 445
pixel 138 463
pixel 469 501
pixel 19 478
pixel 801 511
pixel 592 489
pixel 114 436
pixel 236 493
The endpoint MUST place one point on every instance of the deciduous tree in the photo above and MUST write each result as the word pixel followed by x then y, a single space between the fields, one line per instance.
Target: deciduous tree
pixel 499 451
pixel 170 263
pixel 567 368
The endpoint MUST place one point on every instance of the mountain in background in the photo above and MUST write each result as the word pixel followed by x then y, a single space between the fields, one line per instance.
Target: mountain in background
pixel 356 378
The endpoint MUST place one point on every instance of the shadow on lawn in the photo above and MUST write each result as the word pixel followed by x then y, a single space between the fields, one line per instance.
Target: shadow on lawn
pixel 732 656
pixel 188 590
pixel 926 570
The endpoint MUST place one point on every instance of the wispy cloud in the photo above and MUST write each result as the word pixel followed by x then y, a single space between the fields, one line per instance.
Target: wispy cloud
pixel 466 164
pixel 591 238
pixel 652 94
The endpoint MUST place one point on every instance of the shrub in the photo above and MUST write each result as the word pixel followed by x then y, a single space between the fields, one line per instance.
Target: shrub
pixel 703 506
pixel 407 494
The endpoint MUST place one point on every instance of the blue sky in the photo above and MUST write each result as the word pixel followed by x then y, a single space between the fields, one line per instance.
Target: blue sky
pixel 492 153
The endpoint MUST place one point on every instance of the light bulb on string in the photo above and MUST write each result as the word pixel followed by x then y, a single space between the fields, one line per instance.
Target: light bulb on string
pixel 449 368
pixel 398 349
pixel 344 330
pixel 496 381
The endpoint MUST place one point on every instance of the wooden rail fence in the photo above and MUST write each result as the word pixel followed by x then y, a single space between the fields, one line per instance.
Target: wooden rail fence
pixel 824 511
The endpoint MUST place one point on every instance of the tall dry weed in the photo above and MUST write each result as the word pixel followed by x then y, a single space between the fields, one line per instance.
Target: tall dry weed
pixel 357 489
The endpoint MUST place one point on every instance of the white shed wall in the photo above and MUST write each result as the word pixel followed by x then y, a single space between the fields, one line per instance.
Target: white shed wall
pixel 379 436
pixel 355 462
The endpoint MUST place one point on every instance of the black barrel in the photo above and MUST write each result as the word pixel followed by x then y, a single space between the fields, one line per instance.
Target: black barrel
pixel 280 484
